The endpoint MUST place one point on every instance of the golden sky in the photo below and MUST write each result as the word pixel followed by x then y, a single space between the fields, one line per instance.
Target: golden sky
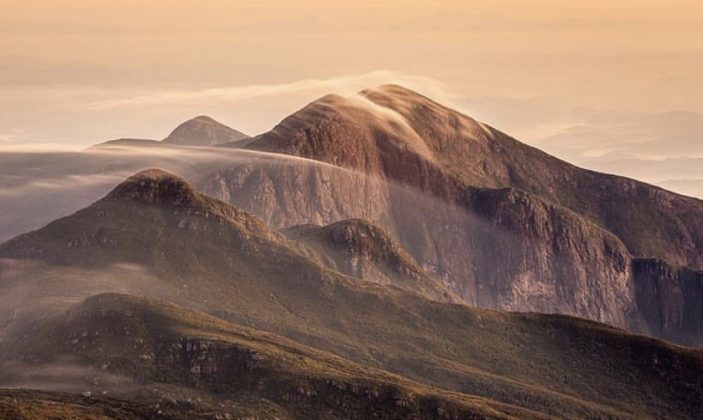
pixel 79 71
pixel 619 52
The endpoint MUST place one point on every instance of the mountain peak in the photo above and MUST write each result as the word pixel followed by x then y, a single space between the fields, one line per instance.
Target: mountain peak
pixel 155 186
pixel 203 131
pixel 403 100
pixel 391 88
pixel 204 118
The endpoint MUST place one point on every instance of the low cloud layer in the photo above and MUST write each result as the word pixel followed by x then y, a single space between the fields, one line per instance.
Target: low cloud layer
pixel 662 148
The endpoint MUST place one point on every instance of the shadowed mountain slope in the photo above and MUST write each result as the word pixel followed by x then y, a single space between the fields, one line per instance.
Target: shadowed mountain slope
pixel 154 236
pixel 361 249
pixel 502 249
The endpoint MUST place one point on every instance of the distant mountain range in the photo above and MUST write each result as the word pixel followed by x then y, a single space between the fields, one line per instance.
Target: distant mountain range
pixel 198 131
pixel 378 255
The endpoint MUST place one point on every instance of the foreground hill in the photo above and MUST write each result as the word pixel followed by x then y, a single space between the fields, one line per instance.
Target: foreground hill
pixel 166 355
pixel 154 236
pixel 505 225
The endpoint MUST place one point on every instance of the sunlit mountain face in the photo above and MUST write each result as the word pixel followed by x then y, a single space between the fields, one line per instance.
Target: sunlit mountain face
pixel 302 210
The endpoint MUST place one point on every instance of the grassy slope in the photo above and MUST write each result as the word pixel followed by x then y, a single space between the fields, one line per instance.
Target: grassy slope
pixel 35 405
pixel 237 268
pixel 156 342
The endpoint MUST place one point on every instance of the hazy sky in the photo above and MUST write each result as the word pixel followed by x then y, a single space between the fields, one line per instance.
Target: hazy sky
pixel 614 85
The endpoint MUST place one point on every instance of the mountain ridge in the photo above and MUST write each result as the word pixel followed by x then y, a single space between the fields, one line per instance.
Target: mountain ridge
pixel 201 130
pixel 474 154
pixel 555 212
pixel 451 269
pixel 217 258
pixel 462 238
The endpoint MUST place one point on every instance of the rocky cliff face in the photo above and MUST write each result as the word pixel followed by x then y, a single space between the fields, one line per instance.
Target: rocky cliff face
pixel 670 300
pixel 361 249
pixel 479 155
pixel 496 248
pixel 504 224
pixel 556 260
pixel 404 136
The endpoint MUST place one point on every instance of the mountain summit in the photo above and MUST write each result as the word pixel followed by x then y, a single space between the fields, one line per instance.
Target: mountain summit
pixel 203 131
pixel 198 131
pixel 155 186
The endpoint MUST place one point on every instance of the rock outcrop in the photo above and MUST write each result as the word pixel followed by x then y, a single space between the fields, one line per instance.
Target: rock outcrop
pixel 361 249
pixel 154 186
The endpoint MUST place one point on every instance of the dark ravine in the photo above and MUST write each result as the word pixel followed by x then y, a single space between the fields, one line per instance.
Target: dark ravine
pixel 670 300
